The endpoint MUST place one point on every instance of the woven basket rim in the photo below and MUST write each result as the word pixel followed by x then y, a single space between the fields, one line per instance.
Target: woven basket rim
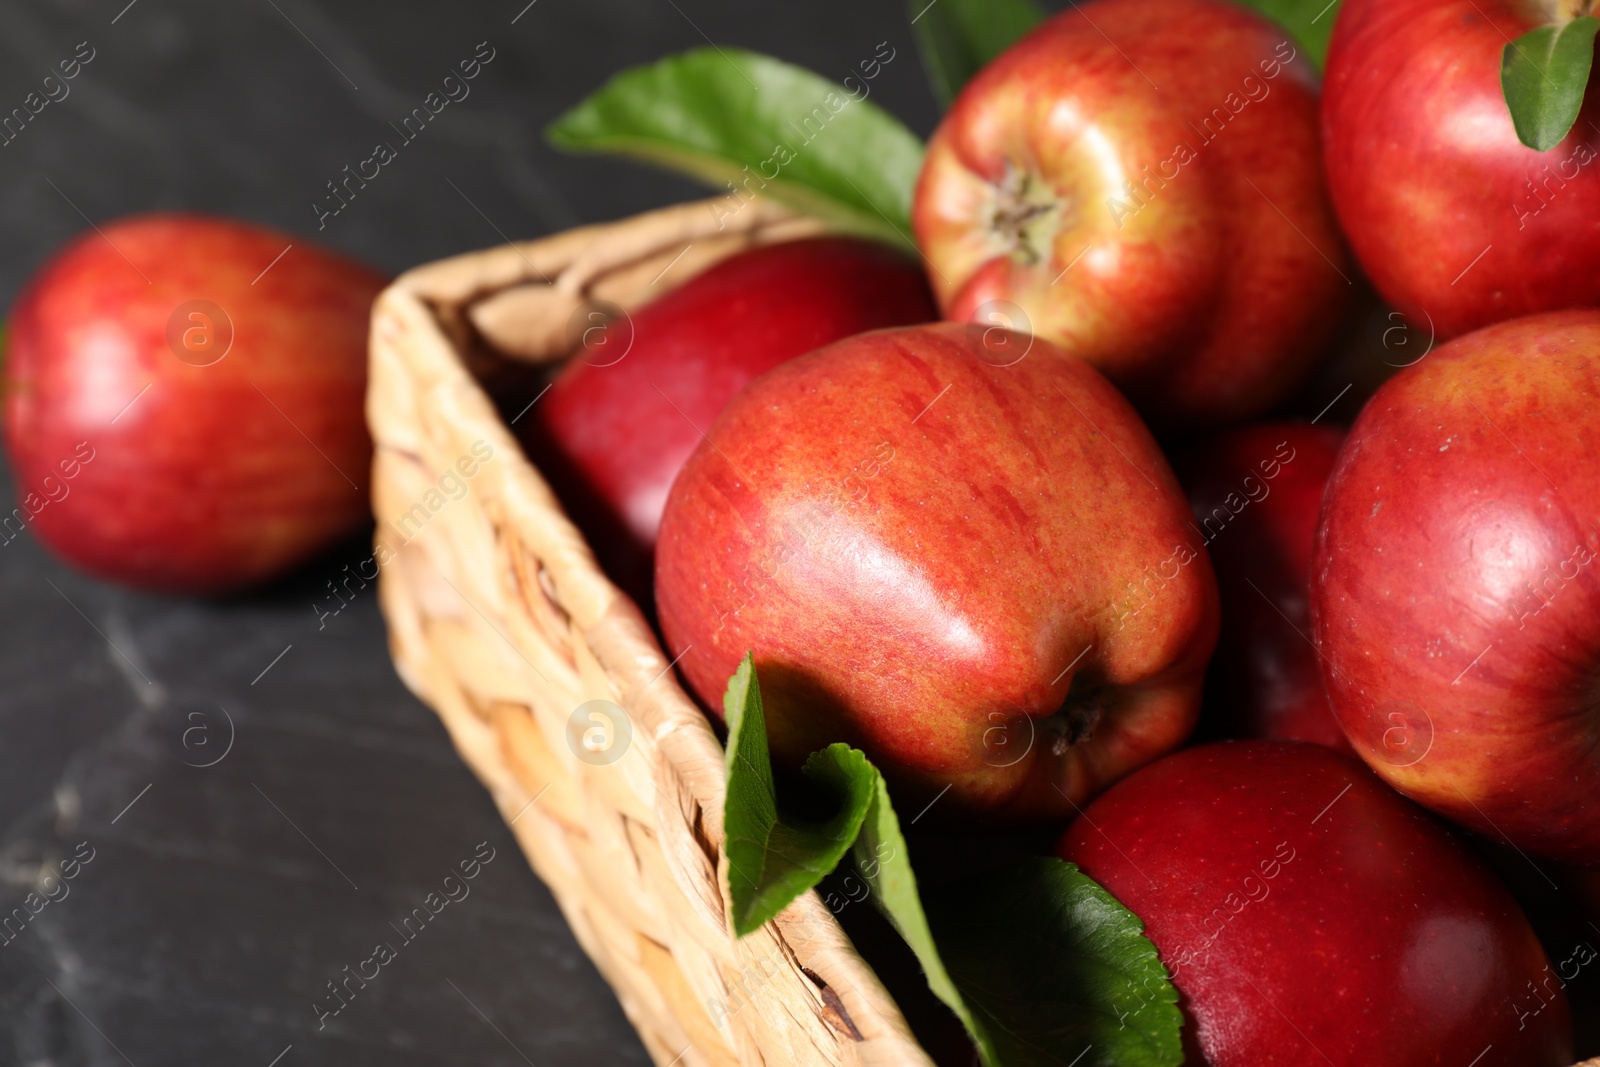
pixel 423 330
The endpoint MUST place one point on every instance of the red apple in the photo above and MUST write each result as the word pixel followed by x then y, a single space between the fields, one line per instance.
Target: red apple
pixel 617 426
pixel 1455 220
pixel 1454 596
pixel 1255 493
pixel 964 555
pixel 183 404
pixel 1141 182
pixel 1307 914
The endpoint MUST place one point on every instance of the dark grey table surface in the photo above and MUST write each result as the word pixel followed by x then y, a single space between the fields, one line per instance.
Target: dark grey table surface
pixel 221 899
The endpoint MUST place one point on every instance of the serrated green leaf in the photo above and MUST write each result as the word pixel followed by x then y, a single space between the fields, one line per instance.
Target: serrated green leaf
pixel 772 860
pixel 1309 22
pixel 1544 74
pixel 1055 970
pixel 769 127
pixel 957 37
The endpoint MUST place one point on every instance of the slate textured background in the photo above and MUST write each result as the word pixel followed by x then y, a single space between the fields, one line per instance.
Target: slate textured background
pixel 219 904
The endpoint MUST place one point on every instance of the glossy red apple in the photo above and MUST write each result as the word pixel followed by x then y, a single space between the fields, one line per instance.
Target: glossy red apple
pixel 183 405
pixel 1255 492
pixel 1143 180
pixel 1308 914
pixel 1457 222
pixel 617 426
pixel 1455 596
pixel 966 556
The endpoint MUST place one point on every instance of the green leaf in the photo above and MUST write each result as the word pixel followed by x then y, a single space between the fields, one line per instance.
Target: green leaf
pixel 1036 959
pixel 957 37
pixel 806 141
pixel 772 860
pixel 884 861
pixel 1543 74
pixel 1055 970
pixel 1041 965
pixel 1309 22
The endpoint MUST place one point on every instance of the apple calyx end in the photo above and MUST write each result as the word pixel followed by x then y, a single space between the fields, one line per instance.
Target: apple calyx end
pixel 1075 721
pixel 1025 216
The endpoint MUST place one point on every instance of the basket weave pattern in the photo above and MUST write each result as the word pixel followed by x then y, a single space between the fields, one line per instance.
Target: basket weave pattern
pixel 501 621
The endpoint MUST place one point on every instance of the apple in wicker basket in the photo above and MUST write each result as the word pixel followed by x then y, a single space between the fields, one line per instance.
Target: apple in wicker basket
pixel 622 418
pixel 1456 596
pixel 958 549
pixel 1141 181
pixel 1456 221
pixel 1308 914
pixel 183 402
pixel 1256 491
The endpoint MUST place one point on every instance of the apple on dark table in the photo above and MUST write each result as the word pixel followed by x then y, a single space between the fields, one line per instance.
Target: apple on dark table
pixel 964 555
pixel 1256 491
pixel 184 402
pixel 1309 914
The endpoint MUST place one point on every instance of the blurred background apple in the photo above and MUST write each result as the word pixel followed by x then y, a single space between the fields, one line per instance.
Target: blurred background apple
pixel 1255 491
pixel 621 420
pixel 184 402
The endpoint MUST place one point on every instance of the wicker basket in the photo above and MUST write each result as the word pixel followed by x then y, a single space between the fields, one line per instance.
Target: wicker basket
pixel 500 620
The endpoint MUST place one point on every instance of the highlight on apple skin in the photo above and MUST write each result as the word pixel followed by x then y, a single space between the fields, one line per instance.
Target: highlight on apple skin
pixel 184 402
pixel 1141 182
pixel 1455 220
pixel 1455 599
pixel 960 553
pixel 1307 914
